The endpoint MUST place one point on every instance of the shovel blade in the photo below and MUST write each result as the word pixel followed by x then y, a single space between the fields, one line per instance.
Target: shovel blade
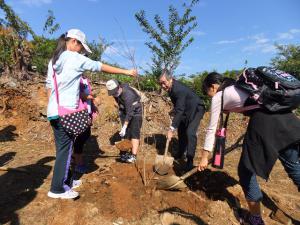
pixel 163 164
pixel 171 183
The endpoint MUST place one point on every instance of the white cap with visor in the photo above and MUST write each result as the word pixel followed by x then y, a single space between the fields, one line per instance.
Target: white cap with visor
pixel 79 36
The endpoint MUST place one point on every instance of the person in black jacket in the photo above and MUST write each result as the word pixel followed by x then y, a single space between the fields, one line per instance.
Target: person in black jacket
pixel 130 110
pixel 189 110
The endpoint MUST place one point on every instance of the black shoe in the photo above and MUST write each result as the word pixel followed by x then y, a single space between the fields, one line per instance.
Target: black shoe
pixel 125 156
pixel 249 219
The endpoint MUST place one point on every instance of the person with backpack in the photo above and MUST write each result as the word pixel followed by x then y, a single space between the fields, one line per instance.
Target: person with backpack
pixel 130 111
pixel 189 110
pixel 269 135
pixel 63 83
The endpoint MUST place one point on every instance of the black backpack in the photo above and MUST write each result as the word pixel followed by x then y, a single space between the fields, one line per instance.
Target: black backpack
pixel 273 89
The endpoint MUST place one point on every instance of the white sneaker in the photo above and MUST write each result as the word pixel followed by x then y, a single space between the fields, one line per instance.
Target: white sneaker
pixel 131 159
pixel 70 194
pixel 76 184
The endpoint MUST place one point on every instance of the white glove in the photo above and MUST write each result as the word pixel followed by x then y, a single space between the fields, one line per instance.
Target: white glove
pixel 123 131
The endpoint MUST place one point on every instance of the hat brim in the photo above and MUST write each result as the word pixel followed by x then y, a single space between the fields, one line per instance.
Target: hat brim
pixel 86 47
pixel 113 92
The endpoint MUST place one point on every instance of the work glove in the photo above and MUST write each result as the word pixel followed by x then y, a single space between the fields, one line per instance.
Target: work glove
pixel 123 131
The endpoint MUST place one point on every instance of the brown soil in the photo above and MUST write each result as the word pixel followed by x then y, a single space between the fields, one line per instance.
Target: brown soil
pixel 116 193
pixel 124 145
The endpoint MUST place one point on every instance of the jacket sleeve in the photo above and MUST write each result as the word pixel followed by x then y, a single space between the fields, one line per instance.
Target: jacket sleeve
pixel 179 108
pixel 213 122
pixel 88 64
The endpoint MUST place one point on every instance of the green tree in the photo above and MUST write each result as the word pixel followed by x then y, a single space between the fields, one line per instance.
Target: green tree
pixel 288 59
pixel 169 40
pixel 234 74
pixel 44 47
pixel 15 50
pixel 50 26
pixel 13 20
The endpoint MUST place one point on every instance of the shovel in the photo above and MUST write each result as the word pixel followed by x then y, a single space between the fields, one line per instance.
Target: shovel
pixel 174 182
pixel 163 162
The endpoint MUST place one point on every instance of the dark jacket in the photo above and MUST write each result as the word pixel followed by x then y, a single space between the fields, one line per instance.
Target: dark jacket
pixel 186 103
pixel 267 134
pixel 129 102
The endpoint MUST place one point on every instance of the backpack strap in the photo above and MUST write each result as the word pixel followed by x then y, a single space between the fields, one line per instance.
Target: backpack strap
pixel 245 108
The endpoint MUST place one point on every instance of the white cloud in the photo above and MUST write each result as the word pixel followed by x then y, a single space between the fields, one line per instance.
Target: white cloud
pixel 198 33
pixel 128 41
pixel 262 40
pixel 36 2
pixel 225 42
pixel 262 47
pixel 268 48
pixel 229 41
pixel 285 36
pixel 294 31
pixel 259 38
pixel 260 44
pixel 288 35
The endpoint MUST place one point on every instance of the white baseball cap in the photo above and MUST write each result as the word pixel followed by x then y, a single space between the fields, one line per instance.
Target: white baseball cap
pixel 112 87
pixel 80 36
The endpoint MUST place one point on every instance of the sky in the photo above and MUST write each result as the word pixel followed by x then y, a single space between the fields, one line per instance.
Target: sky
pixel 229 32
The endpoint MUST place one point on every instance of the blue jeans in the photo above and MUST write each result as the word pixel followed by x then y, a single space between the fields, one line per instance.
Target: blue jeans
pixel 64 147
pixel 289 159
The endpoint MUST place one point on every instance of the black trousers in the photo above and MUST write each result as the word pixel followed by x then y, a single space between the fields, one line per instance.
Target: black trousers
pixel 187 134
pixel 81 140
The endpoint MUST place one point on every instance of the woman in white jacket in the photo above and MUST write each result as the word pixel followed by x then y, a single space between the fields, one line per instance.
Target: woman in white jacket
pixel 269 136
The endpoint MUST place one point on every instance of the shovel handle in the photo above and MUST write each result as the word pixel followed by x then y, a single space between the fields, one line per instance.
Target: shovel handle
pixel 195 169
pixel 189 173
pixel 166 148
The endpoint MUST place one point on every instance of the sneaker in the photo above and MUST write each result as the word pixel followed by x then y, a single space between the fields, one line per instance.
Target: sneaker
pixel 252 220
pixel 70 194
pixel 80 168
pixel 131 158
pixel 125 156
pixel 76 183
